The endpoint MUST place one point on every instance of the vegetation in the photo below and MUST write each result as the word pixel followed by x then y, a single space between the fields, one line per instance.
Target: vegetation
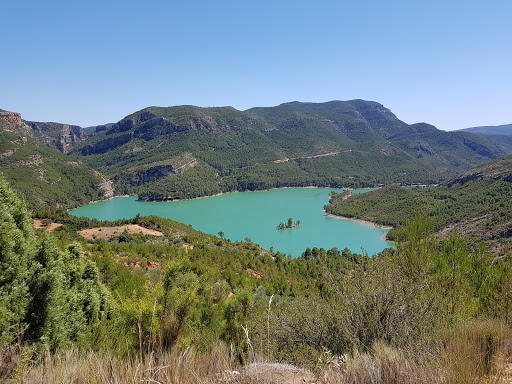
pixel 210 305
pixel 42 175
pixel 186 152
pixel 289 224
pixel 189 307
pixel 476 203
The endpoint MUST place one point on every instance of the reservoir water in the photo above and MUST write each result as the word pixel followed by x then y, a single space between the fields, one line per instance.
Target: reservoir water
pixel 255 215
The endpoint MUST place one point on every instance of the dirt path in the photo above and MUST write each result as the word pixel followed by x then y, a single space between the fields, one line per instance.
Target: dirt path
pixel 285 160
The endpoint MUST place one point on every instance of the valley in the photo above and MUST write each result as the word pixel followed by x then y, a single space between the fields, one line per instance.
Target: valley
pixel 175 283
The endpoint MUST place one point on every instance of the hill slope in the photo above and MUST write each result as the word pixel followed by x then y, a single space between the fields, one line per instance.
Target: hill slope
pixel 188 151
pixel 42 175
pixel 477 203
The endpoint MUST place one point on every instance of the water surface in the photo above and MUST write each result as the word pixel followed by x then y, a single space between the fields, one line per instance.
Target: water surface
pixel 255 215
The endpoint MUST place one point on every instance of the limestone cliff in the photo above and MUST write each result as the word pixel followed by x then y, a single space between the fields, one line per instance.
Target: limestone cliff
pixel 58 136
pixel 12 118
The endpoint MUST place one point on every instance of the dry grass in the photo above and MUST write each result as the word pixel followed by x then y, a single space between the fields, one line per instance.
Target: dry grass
pixel 383 365
pixel 38 224
pixel 183 367
pixel 474 353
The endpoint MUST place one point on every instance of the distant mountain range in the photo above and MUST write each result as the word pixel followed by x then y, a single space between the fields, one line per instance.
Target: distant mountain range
pixel 499 134
pixel 505 129
pixel 188 151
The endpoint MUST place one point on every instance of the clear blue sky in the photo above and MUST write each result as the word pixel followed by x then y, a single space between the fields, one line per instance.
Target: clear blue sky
pixel 448 63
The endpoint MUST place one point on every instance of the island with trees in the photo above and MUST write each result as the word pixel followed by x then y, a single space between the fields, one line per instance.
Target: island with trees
pixel 289 224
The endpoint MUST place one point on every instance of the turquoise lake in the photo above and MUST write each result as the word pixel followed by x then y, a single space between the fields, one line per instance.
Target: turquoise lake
pixel 255 215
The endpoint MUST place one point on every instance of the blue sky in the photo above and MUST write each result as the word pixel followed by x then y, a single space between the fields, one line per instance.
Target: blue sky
pixel 447 63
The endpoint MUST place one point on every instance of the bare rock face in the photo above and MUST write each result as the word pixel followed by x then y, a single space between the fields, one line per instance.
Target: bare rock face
pixel 12 118
pixel 59 136
pixel 107 188
pixel 106 144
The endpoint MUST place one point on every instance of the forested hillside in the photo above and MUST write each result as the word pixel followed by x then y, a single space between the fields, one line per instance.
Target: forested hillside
pixel 489 130
pixel 501 135
pixel 42 175
pixel 478 203
pixel 354 143
pixel 186 151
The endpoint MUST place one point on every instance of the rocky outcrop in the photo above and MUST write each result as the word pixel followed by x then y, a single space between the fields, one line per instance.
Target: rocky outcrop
pixel 157 127
pixel 479 148
pixel 155 171
pixel 107 188
pixel 106 145
pixel 122 126
pixel 374 112
pixel 146 175
pixel 12 118
pixel 57 135
pixel 145 116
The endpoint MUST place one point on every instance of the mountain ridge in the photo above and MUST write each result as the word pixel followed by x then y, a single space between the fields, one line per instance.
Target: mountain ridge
pixel 187 151
pixel 265 147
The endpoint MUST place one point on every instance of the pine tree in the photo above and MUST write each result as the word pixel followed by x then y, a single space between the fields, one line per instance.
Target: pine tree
pixel 16 249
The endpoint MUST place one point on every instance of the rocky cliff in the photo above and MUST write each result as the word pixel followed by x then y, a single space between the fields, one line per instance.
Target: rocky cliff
pixel 12 118
pixel 59 136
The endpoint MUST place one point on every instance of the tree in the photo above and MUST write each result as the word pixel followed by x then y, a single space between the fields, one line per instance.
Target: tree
pixel 16 251
pixel 290 222
pixel 221 234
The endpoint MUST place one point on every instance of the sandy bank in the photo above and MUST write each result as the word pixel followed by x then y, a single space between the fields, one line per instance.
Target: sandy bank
pixel 360 221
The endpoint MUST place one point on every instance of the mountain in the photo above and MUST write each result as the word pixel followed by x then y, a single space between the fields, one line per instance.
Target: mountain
pixel 477 203
pixel 501 135
pixel 491 130
pixel 41 174
pixel 59 136
pixel 188 151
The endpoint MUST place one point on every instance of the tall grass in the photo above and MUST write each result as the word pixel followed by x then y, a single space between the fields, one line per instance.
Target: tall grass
pixel 471 352
pixel 468 353
pixel 176 367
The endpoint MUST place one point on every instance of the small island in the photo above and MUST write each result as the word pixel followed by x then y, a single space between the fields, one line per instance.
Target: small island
pixel 289 224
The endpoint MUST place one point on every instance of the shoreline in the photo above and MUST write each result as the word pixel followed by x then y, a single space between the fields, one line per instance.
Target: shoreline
pixel 360 221
pixel 236 191
pixel 98 201
pixel 258 190
pixel 365 222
